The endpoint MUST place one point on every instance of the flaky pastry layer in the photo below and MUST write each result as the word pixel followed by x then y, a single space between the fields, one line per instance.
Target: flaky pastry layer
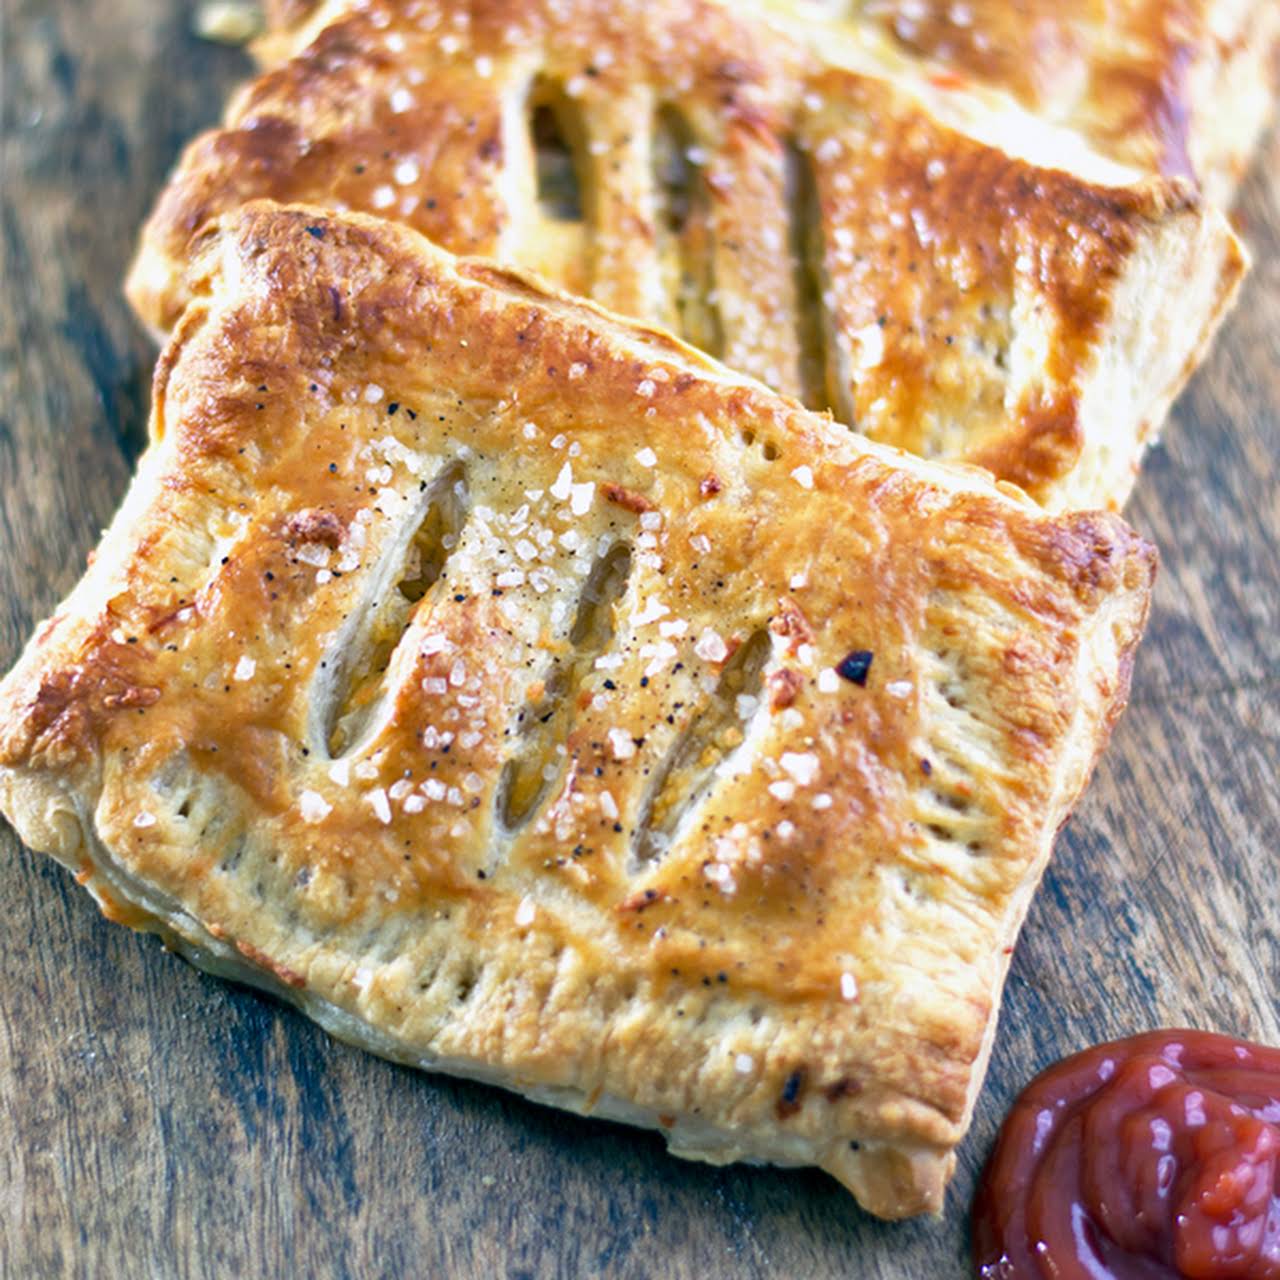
pixel 529 697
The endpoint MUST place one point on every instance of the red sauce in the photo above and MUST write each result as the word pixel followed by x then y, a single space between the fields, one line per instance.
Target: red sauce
pixel 1145 1159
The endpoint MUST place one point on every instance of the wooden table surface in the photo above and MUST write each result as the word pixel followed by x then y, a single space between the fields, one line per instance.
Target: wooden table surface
pixel 157 1122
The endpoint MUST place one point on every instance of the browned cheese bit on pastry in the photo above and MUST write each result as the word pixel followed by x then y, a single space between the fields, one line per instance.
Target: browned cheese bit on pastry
pixel 426 678
pixel 900 255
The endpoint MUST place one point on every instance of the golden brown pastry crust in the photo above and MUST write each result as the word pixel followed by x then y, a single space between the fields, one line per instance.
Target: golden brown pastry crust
pixel 593 814
pixel 1181 88
pixel 837 234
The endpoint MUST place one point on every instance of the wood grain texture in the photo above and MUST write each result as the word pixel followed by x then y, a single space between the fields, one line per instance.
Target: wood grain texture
pixel 160 1123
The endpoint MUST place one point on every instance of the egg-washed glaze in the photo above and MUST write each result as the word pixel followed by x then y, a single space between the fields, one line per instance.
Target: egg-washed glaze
pixel 841 235
pixel 529 697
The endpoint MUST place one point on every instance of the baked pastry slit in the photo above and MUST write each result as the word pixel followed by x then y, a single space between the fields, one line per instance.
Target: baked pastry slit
pixel 542 725
pixel 353 677
pixel 557 238
pixel 685 233
pixel 717 728
pixel 822 381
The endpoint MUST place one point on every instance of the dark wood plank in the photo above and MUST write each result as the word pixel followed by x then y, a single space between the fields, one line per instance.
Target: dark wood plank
pixel 162 1123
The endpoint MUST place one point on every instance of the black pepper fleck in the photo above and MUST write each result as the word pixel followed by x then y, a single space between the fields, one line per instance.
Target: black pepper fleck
pixel 855 666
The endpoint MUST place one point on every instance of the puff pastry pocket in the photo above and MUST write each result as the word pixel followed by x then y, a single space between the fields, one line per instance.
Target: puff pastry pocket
pixel 914 259
pixel 531 698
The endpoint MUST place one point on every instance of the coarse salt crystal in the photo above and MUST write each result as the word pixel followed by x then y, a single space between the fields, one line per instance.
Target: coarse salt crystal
pixel 803 476
pixel 719 874
pixel 434 789
pixel 621 744
pixel 700 543
pixel 458 673
pixel 525 913
pixel 340 772
pixel 803 767
pixel 577 370
pixel 744 1064
pixel 711 647
pixel 383 197
pixel 373 393
pixel 484 66
pixel 316 554
pixel 145 819
pixel 608 805
pixel 414 804
pixel 870 340
pixel 435 686
pixel 245 669
pixel 646 387
pixel 378 799
pixel 899 688
pixel 526 550
pixel 822 801
pixel 848 987
pixel 646 457
pixel 582 497
pixel 406 172
pixel 563 485
pixel 786 829
pixel 828 681
pixel 782 790
pixel 653 610
pixel 400 788
pixel 676 627
pixel 313 806
pixel 799 581
pixel 362 977
pixel 401 100
pixel 434 642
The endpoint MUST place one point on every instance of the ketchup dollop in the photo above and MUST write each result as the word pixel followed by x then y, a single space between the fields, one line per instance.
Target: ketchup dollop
pixel 1144 1159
